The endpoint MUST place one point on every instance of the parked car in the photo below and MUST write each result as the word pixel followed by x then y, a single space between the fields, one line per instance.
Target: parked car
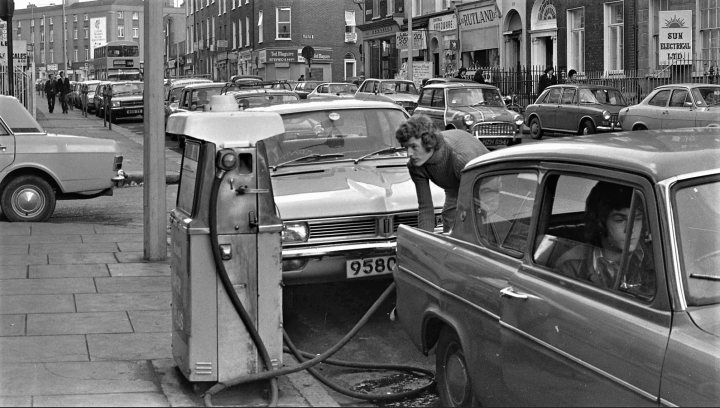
pixel 197 96
pixel 674 106
pixel 253 98
pixel 333 90
pixel 174 92
pixel 341 183
pixel 575 108
pixel 402 92
pixel 38 168
pixel 303 88
pixel 476 108
pixel 246 79
pixel 550 291
pixel 91 85
pixel 278 84
pixel 97 99
pixel 127 99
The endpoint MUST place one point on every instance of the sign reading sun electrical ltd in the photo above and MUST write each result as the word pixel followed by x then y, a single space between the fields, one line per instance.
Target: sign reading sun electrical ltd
pixel 675 39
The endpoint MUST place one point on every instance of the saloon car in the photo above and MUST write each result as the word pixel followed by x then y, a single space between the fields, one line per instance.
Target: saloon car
pixel 303 88
pixel 399 91
pixel 38 168
pixel 476 108
pixel 674 106
pixel 579 271
pixel 127 99
pixel 333 90
pixel 579 109
pixel 341 186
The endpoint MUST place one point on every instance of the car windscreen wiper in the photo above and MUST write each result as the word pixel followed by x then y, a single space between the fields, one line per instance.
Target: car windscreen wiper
pixel 314 156
pixel 384 150
pixel 479 103
pixel 704 276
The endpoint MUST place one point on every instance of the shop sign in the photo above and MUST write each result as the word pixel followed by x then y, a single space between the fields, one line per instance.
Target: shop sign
pixel 419 42
pixel 320 56
pixel 188 59
pixel 19 53
pixel 245 56
pixel 286 55
pixel 480 17
pixel 675 38
pixel 443 23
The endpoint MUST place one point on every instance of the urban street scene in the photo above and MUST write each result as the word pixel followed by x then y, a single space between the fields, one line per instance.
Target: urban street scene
pixel 374 203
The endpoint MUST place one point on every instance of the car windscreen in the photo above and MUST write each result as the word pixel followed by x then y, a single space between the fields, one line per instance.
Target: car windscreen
pixel 709 96
pixel 254 101
pixel 398 87
pixel 698 236
pixel 603 96
pixel 18 118
pixel 474 97
pixel 333 135
pixel 127 89
pixel 343 88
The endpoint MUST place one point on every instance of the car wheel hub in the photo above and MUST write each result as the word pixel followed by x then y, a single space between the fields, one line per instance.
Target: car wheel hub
pixel 27 201
pixel 457 378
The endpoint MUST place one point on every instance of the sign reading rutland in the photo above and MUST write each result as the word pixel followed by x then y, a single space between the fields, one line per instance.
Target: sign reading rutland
pixel 675 37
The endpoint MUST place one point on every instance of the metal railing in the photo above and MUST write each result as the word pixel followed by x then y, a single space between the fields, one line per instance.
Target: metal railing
pixel 22 84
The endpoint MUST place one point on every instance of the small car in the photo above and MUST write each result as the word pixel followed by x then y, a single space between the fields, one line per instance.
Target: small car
pixel 674 106
pixel 98 98
pixel 476 108
pixel 127 99
pixel 579 272
pixel 400 91
pixel 580 109
pixel 303 88
pixel 174 92
pixel 253 98
pixel 38 168
pixel 333 90
pixel 196 96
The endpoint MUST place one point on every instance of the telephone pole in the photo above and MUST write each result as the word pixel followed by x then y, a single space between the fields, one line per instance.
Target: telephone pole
pixel 64 32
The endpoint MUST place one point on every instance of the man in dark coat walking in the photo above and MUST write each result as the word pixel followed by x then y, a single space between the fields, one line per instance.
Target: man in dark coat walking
pixel 63 88
pixel 547 79
pixel 50 92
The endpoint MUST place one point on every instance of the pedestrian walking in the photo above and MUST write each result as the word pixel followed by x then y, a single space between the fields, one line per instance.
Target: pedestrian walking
pixel 50 92
pixel 478 77
pixel 437 156
pixel 63 89
pixel 546 79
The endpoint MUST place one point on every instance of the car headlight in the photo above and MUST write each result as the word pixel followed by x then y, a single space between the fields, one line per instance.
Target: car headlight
pixel 294 232
pixel 606 115
pixel 519 120
pixel 468 119
pixel 115 104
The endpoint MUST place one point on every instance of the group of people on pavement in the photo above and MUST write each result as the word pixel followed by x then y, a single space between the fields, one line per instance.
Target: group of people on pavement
pixel 55 87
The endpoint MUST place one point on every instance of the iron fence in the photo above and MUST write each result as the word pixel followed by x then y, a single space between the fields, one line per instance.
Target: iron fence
pixel 22 89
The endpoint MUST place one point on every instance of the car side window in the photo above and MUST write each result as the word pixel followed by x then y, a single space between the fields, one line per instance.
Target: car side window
pixel 660 98
pixel 425 97
pixel 553 96
pixel 502 209
pixel 438 99
pixel 568 96
pixel 597 232
pixel 680 98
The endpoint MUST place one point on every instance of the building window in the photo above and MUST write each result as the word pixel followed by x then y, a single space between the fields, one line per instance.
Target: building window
pixel 52 35
pixel 135 16
pixel 32 37
pixel 42 56
pixel 282 23
pixel 710 30
pixel 75 55
pixel 234 35
pixel 136 32
pixel 576 39
pixel 85 17
pixel 260 26
pixel 233 4
pixel 52 56
pixel 51 21
pixel 120 15
pixel 74 18
pixel 247 31
pixel 87 33
pixel 75 34
pixel 42 36
pixel 32 23
pixel 87 53
pixel 614 46
pixel 121 31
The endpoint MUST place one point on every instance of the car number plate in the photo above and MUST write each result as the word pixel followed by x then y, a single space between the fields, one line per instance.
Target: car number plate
pixel 361 268
pixel 134 111
pixel 495 141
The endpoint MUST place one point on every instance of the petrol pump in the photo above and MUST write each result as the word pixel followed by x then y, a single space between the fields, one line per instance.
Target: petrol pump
pixel 225 233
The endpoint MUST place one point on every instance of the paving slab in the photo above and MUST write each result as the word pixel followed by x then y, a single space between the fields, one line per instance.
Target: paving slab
pixel 119 237
pixel 47 286
pixel 40 349
pixel 10 249
pixel 133 284
pixel 140 269
pixel 151 321
pixel 73 378
pixel 131 246
pixel 18 304
pixel 82 258
pixel 123 301
pixel 68 271
pixel 15 401
pixel 14 228
pixel 51 228
pixel 13 271
pixel 127 347
pixel 144 399
pixel 130 257
pixel 78 323
pixel 38 239
pixel 60 248
pixel 12 325
pixel 114 229
pixel 34 259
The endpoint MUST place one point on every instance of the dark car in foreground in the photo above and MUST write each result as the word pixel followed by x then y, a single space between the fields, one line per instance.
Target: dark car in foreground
pixel 510 317
pixel 476 108
pixel 578 109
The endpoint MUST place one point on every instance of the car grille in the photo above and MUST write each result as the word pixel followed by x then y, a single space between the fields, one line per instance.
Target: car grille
pixel 378 226
pixel 131 103
pixel 494 129
pixel 614 120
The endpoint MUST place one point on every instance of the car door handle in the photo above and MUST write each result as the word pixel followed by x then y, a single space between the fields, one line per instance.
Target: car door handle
pixel 665 112
pixel 511 293
pixel 2 148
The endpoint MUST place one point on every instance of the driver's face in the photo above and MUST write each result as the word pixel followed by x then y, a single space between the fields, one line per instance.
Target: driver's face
pixel 617 224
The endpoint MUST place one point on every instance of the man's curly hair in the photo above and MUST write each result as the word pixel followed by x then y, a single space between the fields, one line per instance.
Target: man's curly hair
pixel 421 127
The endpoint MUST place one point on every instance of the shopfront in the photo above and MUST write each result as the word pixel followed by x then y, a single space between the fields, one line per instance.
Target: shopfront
pixel 443 44
pixel 379 51
pixel 289 64
pixel 480 35
pixel 244 64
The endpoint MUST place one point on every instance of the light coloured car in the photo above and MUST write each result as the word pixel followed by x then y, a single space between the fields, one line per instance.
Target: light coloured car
pixel 674 106
pixel 399 91
pixel 38 168
pixel 341 185
pixel 333 90
pixel 579 272
pixel 303 88
pixel 127 99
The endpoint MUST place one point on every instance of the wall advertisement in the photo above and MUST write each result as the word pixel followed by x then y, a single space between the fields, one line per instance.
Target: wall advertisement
pixel 675 37
pixel 98 33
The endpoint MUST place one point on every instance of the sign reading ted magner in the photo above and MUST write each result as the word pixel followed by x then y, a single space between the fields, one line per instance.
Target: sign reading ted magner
pixel 675 37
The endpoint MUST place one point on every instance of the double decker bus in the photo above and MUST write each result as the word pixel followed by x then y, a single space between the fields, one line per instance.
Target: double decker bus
pixel 116 61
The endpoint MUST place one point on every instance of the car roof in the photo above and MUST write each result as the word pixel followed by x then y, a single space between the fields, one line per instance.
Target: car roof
pixel 657 154
pixel 460 84
pixel 318 105
pixel 208 85
pixel 124 82
pixel 688 85
pixel 263 91
pixel 593 86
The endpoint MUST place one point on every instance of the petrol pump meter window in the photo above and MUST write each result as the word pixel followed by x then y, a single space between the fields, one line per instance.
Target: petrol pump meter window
pixel 188 177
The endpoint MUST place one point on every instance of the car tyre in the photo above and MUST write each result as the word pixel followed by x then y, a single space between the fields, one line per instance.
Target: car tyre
pixel 451 371
pixel 587 128
pixel 536 131
pixel 28 198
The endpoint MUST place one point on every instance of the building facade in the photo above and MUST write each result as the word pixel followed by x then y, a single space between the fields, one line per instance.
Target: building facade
pixel 267 38
pixel 65 44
